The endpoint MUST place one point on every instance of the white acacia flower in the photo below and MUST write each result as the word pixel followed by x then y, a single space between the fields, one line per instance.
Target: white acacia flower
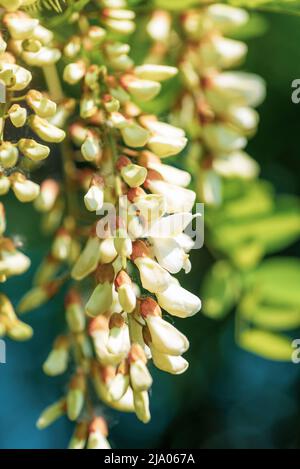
pixel 221 52
pixel 118 342
pixel 118 386
pixel 222 138
pixel 25 190
pixel 178 301
pixel 13 262
pixel 236 164
pixel 94 198
pixel 153 277
pixel 107 251
pixel 171 174
pixel 169 254
pixel 165 337
pixel 177 199
pixel 99 331
pixel 175 365
pixel 21 76
pixel 20 25
pixel 235 88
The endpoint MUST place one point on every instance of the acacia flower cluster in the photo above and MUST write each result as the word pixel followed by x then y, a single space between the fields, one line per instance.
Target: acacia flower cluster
pixel 22 112
pixel 217 106
pixel 118 272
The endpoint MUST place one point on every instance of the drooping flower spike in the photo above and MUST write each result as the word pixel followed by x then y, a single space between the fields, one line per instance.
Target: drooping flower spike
pixel 119 269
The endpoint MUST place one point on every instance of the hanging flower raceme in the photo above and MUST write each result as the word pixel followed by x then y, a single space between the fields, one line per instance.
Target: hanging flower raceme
pixel 24 112
pixel 119 267
pixel 217 107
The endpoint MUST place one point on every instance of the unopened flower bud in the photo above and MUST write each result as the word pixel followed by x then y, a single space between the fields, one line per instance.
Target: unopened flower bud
pixel 4 185
pixel 226 17
pixel 143 90
pixel 134 135
pixel 46 271
pixel 88 259
pixel 18 330
pixel 94 197
pixel 79 436
pixel 76 396
pixel 8 155
pixel 120 26
pixel 111 104
pixel 118 385
pixel 37 296
pixel 72 48
pixel 155 72
pixel 96 34
pixel 33 150
pixel 74 72
pixel 97 434
pixel 41 105
pixel 51 414
pixel 61 245
pixel 24 190
pixel 141 406
pixel 90 149
pixel 133 174
pixel 101 299
pixel 78 133
pixel 57 361
pixel 13 262
pixel 49 191
pixel 223 138
pixel 140 378
pixel 164 146
pixel 17 115
pixel 45 130
pixel 126 293
pixel 88 107
pixel 74 312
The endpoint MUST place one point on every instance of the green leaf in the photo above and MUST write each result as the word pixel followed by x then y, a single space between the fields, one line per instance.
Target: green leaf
pixel 175 5
pixel 273 232
pixel 256 26
pixel 266 344
pixel 220 290
pixel 279 6
pixel 277 281
pixel 256 201
pixel 269 317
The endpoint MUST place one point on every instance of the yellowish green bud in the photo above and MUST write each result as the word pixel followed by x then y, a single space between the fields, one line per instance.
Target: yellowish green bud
pixel 33 150
pixel 8 155
pixel 51 413
pixel 17 115
pixel 45 130
pixel 41 105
